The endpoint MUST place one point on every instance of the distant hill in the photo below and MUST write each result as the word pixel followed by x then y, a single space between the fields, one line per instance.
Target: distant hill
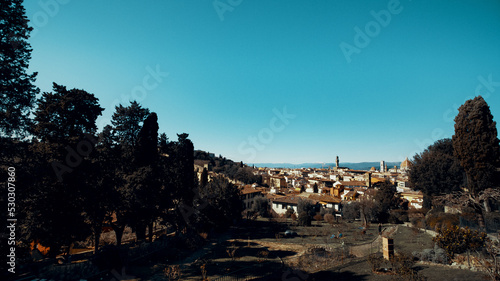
pixel 233 170
pixel 353 166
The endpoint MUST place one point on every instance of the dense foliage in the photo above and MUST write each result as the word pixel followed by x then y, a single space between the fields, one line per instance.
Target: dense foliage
pixel 436 171
pixel 476 145
pixel 385 200
pixel 306 211
pixel 17 89
pixel 456 240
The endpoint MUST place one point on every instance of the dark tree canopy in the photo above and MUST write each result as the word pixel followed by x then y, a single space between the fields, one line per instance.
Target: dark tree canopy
pixel 476 144
pixel 436 170
pixel 147 143
pixel 260 206
pixel 57 213
pixel 127 122
pixel 306 211
pixel 385 200
pixel 65 114
pixel 17 91
pixel 220 203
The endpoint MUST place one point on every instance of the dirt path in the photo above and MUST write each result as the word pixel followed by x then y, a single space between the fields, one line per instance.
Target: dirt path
pixel 188 264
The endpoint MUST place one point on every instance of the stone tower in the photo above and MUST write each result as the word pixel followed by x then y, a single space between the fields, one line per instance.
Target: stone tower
pixel 382 166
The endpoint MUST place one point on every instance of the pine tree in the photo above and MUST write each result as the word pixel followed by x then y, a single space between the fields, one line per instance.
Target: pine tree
pixel 17 91
pixel 60 170
pixel 65 115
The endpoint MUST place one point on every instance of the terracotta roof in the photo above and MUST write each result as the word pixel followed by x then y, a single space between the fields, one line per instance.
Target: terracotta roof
pixel 406 164
pixel 293 199
pixel 351 194
pixel 353 183
pixel 248 190
pixel 286 199
pixel 325 198
pixel 375 179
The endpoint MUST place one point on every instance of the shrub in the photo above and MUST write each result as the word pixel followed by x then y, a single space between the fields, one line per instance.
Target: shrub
pixel 304 219
pixel 402 264
pixel 318 217
pixel 329 218
pixel 289 213
pixel 398 216
pixel 324 211
pixel 375 261
pixel 442 220
pixel 456 240
pixel 418 222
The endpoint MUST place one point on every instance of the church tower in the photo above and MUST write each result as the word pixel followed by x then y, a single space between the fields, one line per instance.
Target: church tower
pixel 382 167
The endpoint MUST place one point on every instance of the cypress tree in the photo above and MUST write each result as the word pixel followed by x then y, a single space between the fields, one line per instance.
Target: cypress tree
pixel 476 144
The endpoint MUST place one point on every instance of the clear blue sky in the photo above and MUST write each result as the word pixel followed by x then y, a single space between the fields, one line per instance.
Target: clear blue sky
pixel 235 66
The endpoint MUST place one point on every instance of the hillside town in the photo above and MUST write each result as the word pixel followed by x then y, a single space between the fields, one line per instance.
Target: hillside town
pixel 108 127
pixel 329 188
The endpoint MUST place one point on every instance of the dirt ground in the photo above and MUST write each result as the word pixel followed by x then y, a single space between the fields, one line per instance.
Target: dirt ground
pixel 258 247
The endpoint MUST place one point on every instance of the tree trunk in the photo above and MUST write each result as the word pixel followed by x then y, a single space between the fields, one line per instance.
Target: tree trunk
pixel 151 231
pixel 140 231
pixel 69 249
pixel 480 220
pixel 118 233
pixel 97 237
pixel 487 207
pixel 54 250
